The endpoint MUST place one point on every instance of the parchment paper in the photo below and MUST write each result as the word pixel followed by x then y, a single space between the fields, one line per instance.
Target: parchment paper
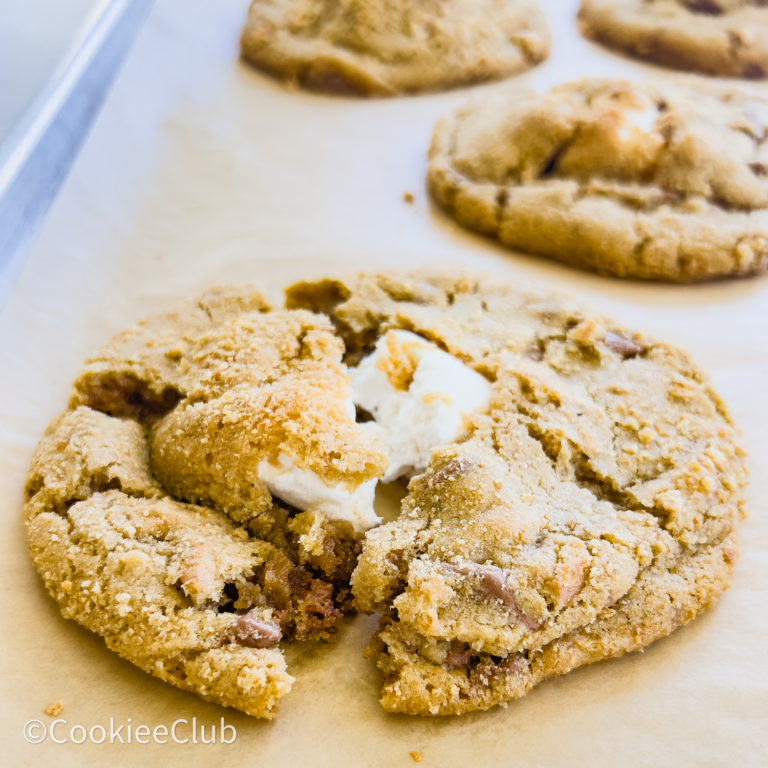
pixel 200 170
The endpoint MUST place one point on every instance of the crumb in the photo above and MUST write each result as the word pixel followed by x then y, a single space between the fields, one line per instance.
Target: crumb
pixel 240 534
pixel 54 710
pixel 416 756
pixel 408 197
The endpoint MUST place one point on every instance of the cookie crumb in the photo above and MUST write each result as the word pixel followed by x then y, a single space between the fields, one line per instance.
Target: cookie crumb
pixel 408 197
pixel 240 534
pixel 53 710
pixel 416 756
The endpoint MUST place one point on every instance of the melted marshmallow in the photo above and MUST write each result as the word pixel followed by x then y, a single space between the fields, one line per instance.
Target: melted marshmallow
pixel 419 396
pixel 304 490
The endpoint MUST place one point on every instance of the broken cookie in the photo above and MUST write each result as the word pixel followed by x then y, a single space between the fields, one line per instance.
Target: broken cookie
pixel 206 494
pixel 209 494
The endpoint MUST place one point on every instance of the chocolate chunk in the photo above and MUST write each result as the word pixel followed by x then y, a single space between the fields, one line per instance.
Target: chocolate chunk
pixel 457 656
pixel 624 345
pixel 252 631
pixel 451 470
pixel 493 581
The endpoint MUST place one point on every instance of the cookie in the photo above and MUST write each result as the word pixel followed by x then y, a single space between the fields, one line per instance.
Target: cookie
pixel 209 493
pixel 162 506
pixel 588 509
pixel 362 47
pixel 655 181
pixel 716 37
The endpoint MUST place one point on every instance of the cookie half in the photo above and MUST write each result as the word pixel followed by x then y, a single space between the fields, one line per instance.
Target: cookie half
pixel 655 181
pixel 716 37
pixel 589 509
pixel 362 47
pixel 206 494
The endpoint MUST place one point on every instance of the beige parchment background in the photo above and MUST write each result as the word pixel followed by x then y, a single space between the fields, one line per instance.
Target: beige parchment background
pixel 200 170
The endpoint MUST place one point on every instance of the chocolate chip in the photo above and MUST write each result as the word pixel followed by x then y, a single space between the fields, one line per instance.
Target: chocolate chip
pixel 252 631
pixel 457 656
pixel 622 344
pixel 362 416
pixel 710 7
pixel 493 581
pixel 451 470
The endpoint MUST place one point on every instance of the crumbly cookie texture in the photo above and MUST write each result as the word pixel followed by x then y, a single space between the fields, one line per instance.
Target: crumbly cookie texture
pixel 149 515
pixel 367 47
pixel 715 37
pixel 591 509
pixel 655 181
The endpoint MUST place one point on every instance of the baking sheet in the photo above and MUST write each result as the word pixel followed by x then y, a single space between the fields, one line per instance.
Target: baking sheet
pixel 200 170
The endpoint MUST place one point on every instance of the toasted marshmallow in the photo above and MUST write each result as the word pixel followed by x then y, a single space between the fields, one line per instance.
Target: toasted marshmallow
pixel 420 396
pixel 305 489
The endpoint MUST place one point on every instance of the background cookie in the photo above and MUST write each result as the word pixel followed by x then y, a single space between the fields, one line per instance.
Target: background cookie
pixel 385 48
pixel 716 37
pixel 668 182
pixel 590 510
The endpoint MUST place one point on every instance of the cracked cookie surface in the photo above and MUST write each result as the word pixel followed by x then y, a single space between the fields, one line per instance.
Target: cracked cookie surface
pixel 363 47
pixel 654 181
pixel 715 37
pixel 590 510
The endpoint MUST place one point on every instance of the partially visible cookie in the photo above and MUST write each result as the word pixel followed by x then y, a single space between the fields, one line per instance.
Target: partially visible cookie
pixel 590 508
pixel 369 47
pixel 716 37
pixel 658 181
